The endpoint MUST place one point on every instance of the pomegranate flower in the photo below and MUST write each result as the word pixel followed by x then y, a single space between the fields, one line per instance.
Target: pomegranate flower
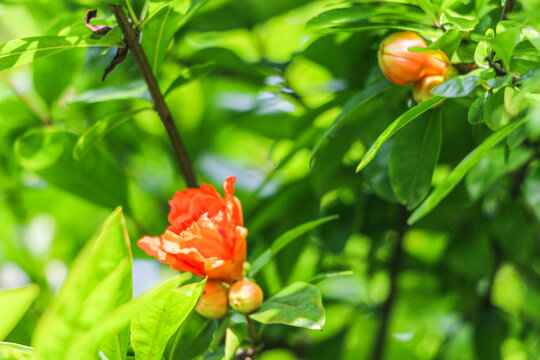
pixel 206 236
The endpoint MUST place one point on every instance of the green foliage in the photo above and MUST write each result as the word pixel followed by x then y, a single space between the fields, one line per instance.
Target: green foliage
pixel 298 304
pixel 396 125
pixel 440 222
pixel 414 155
pixel 152 328
pixel 98 282
pixel 10 351
pixel 22 51
pixel 283 241
pixel 13 304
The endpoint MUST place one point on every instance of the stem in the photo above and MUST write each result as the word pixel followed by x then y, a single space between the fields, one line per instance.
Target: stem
pixel 218 336
pixel 395 266
pixel 252 331
pixel 508 8
pixel 132 40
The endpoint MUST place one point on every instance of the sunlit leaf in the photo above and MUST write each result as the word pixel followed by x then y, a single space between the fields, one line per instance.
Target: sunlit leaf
pixel 118 319
pixel 160 29
pixel 234 336
pixel 98 282
pixel 13 305
pixel 22 51
pixel 299 305
pixel 10 351
pixel 453 19
pixel 191 74
pixel 152 328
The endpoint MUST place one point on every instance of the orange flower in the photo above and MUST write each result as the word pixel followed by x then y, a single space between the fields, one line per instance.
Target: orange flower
pixel 206 236
pixel 404 67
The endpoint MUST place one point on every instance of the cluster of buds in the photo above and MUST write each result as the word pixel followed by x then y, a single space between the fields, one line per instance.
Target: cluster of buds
pixel 401 66
pixel 243 296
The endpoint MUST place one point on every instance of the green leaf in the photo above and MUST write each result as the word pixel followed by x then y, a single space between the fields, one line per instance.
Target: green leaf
pixel 284 240
pixel 444 188
pixel 89 343
pixel 396 125
pixel 497 163
pixel 10 351
pixel 22 51
pixel 423 30
pixel 533 36
pixel 475 114
pixel 47 151
pixel 98 281
pixel 100 129
pixel 13 305
pixel 448 42
pixel 504 44
pixel 531 189
pixel 298 304
pixel 55 73
pixel 152 328
pixel 413 159
pixel 463 85
pixel 192 339
pixel 452 19
pixel 494 113
pixel 483 50
pixel 159 32
pixel 428 7
pixel 234 336
pixel 191 74
pixel 351 15
pixel 356 102
pixel 377 176
pixel 132 90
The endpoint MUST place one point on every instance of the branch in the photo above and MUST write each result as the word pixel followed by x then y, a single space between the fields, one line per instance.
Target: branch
pixel 508 8
pixel 132 40
pixel 378 351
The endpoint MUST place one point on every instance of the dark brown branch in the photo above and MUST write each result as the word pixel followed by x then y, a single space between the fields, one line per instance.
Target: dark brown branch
pixel 131 37
pixel 509 6
pixel 395 266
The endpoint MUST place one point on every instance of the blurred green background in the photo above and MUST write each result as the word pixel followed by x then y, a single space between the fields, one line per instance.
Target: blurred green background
pixel 469 283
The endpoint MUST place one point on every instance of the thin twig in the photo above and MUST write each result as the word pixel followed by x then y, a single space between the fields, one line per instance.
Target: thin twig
pixel 509 6
pixel 378 351
pixel 132 40
pixel 252 331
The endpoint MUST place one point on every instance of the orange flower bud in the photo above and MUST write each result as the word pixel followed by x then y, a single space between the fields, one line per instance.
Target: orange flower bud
pixel 404 67
pixel 213 302
pixel 422 89
pixel 245 296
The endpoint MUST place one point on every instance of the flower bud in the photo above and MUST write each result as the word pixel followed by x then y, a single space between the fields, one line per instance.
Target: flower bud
pixel 422 89
pixel 245 296
pixel 404 67
pixel 213 302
